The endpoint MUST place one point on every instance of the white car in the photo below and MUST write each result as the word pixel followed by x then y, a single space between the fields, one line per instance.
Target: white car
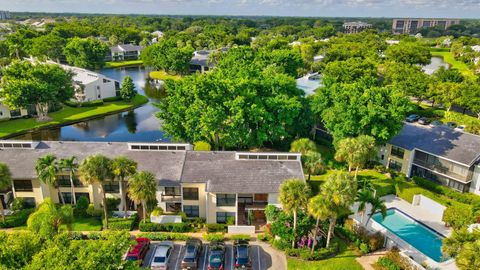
pixel 162 255
pixel 460 128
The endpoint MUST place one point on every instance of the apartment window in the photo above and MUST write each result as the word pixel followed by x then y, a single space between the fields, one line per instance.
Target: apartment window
pixel 111 187
pixel 456 185
pixel 64 181
pixel 395 165
pixel 30 202
pixel 173 207
pixel 78 195
pixel 191 211
pixel 226 199
pixel 397 152
pixel 223 216
pixel 172 191
pixel 23 185
pixel 67 197
pixel 190 194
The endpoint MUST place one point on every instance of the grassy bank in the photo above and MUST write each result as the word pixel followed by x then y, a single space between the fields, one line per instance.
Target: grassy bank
pixel 68 115
pixel 162 75
pixel 448 57
pixel 123 64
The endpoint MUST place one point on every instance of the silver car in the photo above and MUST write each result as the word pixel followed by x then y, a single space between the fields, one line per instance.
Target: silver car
pixel 162 255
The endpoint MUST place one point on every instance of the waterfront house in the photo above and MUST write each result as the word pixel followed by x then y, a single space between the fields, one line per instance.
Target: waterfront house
pixel 124 52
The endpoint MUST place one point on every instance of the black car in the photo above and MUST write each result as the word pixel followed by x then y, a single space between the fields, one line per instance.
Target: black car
pixel 412 118
pixel 241 250
pixel 424 121
pixel 436 123
pixel 193 249
pixel 216 256
pixel 451 124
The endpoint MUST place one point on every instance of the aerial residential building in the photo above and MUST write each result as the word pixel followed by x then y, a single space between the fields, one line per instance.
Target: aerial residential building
pixel 212 185
pixel 7 113
pixel 355 27
pixel 157 35
pixel 411 26
pixel 124 52
pixel 200 60
pixel 439 154
pixel 4 15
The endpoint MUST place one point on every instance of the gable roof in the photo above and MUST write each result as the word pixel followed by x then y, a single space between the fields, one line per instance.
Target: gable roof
pixel 125 48
pixel 442 141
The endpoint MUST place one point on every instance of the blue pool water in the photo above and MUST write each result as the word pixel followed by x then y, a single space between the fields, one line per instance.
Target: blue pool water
pixel 416 234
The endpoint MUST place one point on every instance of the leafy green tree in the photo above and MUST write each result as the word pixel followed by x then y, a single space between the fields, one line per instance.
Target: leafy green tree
pixel 458 216
pixel 470 96
pixel 127 91
pixel 18 248
pixel 356 151
pixel 447 93
pixel 349 71
pixel 123 168
pixel 167 55
pixel 468 258
pixel 454 244
pixel 303 146
pixel 202 146
pixel 408 78
pixel 24 84
pixel 86 53
pixel 19 42
pixel 412 53
pixel 448 75
pixel 71 166
pixel 47 170
pixel 313 163
pixel 46 220
pixel 294 194
pixel 97 169
pixel 289 61
pixel 5 182
pixel 49 46
pixel 142 188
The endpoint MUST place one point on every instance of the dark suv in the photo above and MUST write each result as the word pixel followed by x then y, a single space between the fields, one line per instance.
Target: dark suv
pixel 216 257
pixel 193 249
pixel 241 250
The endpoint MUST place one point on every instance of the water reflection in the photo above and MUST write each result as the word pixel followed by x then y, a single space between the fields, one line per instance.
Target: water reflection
pixel 137 125
pixel 435 64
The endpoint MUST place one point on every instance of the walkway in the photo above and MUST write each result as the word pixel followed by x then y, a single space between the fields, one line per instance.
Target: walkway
pixel 369 259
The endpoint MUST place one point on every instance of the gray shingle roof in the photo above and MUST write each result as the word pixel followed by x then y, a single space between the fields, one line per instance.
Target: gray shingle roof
pixel 126 48
pixel 442 141
pixel 223 173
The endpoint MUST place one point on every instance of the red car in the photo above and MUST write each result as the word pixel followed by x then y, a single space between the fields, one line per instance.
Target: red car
pixel 138 251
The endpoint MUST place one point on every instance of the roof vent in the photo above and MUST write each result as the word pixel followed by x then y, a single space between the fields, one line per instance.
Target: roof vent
pixel 268 156
pixel 159 147
pixel 18 144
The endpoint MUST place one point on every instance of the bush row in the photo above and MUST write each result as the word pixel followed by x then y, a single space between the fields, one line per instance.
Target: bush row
pixel 214 227
pixel 110 99
pixel 361 238
pixel 307 255
pixel 213 237
pixel 166 227
pixel 161 236
pixel 93 103
pixel 234 237
pixel 18 219
pixel 119 224
pixel 388 264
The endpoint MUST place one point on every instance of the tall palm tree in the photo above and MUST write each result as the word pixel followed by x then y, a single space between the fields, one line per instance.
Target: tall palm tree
pixel 320 209
pixel 377 204
pixel 313 163
pixel 70 165
pixel 123 167
pixel 97 169
pixel 5 182
pixel 303 145
pixel 364 196
pixel 47 170
pixel 294 194
pixel 355 151
pixel 142 188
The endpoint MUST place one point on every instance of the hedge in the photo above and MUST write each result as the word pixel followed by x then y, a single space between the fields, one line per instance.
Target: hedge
pixel 157 236
pixel 119 224
pixel 388 263
pixel 17 219
pixel 213 237
pixel 234 237
pixel 214 227
pixel 166 227
pixel 111 99
pixel 93 103
pixel 306 253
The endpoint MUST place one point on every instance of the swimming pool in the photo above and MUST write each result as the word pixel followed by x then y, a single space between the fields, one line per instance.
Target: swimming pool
pixel 422 238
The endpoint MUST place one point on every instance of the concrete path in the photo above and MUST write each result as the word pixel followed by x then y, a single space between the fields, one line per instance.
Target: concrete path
pixel 369 259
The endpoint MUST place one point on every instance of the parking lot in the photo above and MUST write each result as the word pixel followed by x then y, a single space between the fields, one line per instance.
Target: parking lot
pixel 261 259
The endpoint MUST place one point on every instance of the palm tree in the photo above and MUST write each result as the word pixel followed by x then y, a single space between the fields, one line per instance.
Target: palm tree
pixel 313 163
pixel 303 145
pixel 294 194
pixel 69 164
pixel 97 169
pixel 47 170
pixel 377 204
pixel 364 196
pixel 142 188
pixel 319 208
pixel 5 182
pixel 123 167
pixel 345 152
pixel 356 151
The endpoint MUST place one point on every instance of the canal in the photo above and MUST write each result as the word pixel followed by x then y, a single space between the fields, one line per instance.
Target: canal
pixel 139 125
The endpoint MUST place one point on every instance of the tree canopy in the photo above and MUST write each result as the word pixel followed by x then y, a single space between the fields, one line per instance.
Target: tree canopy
pixel 409 53
pixel 168 55
pixel 86 53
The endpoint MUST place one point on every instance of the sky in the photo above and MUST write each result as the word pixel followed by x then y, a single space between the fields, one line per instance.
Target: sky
pixel 315 8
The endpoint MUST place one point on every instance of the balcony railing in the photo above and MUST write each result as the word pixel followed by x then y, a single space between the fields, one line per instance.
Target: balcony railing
pixel 171 198
pixel 443 170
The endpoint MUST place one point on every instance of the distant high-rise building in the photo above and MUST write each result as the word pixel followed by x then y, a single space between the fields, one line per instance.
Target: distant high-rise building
pixel 411 26
pixel 355 27
pixel 4 15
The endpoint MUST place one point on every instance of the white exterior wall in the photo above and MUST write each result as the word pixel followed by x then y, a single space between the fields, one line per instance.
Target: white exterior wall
pixel 475 185
pixel 273 199
pixel 100 90
pixel 5 112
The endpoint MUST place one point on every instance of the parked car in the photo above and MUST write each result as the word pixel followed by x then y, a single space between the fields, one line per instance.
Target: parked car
pixel 436 123
pixel 451 124
pixel 412 118
pixel 424 121
pixel 138 251
pixel 162 255
pixel 193 249
pixel 241 250
pixel 460 128
pixel 216 256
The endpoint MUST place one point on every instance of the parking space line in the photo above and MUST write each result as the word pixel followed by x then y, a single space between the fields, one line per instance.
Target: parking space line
pixel 205 258
pixel 259 259
pixel 232 259
pixel 178 257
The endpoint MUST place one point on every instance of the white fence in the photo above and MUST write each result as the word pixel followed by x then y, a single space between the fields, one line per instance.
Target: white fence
pixel 241 229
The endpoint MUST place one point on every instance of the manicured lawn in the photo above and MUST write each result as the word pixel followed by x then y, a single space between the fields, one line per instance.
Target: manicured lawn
pixel 461 66
pixel 345 260
pixel 69 115
pixel 85 224
pixel 162 75
pixel 123 64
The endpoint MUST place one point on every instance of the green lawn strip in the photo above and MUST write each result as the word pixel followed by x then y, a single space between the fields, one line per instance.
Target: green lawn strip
pixel 85 224
pixel 123 64
pixel 461 66
pixel 162 75
pixel 345 260
pixel 69 115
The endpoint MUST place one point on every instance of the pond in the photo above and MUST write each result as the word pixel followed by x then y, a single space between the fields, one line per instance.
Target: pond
pixel 139 125
pixel 435 64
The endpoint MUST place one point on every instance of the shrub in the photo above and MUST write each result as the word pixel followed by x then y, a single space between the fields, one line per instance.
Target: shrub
pixel 292 252
pixel 376 241
pixel 380 168
pixel 157 211
pixel 81 207
pixel 121 224
pixel 20 204
pixel 165 227
pixel 263 237
pixel 230 220
pixel 234 237
pixel 281 244
pixel 111 99
pixel 214 227
pixel 112 204
pixel 458 215
pixel 197 222
pixel 202 146
pixel 91 211
pixel 388 263
pixel 18 219
pixel 93 103
pixel 364 248
pixel 156 236
pixel 213 237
